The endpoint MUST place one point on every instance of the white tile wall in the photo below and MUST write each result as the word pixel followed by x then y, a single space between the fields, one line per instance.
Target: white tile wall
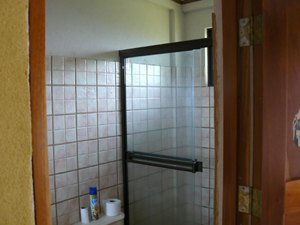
pixel 84 137
pixel 82 134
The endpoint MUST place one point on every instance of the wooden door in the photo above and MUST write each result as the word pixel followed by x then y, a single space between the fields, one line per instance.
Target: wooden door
pixel 251 107
pixel 292 207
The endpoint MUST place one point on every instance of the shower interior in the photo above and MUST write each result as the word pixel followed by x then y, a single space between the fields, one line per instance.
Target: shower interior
pixel 162 107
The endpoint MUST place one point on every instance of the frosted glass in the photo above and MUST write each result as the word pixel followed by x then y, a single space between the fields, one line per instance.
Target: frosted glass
pixel 162 93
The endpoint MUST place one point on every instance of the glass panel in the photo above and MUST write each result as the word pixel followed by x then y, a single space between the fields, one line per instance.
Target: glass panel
pixel 163 97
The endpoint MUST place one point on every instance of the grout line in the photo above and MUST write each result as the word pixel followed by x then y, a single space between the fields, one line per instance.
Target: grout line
pixel 52 115
pixel 76 126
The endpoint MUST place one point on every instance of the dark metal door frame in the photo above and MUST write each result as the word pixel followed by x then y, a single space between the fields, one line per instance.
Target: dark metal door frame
pixel 145 51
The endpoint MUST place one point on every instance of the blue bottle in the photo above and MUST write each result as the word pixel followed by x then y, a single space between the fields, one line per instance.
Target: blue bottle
pixel 94 203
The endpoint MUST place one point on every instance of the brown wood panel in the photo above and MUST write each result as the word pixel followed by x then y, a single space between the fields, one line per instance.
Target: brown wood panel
pixel 292 197
pixel 218 90
pixel 292 219
pixel 245 105
pixel 189 1
pixel 230 32
pixel 38 111
pixel 274 111
pixel 219 117
pixel 257 110
pixel 292 203
pixel 177 1
pixel 293 90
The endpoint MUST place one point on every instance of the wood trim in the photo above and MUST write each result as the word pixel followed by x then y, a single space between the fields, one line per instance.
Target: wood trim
pixel 274 111
pixel 292 199
pixel 245 110
pixel 38 111
pixel 293 91
pixel 292 203
pixel 189 1
pixel 185 1
pixel 218 121
pixel 230 31
pixel 177 1
pixel 258 110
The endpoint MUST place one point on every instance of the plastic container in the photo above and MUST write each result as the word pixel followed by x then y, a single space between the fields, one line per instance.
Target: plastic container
pixel 94 203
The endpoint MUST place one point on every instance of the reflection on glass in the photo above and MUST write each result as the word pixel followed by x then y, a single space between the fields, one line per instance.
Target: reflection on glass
pixel 163 104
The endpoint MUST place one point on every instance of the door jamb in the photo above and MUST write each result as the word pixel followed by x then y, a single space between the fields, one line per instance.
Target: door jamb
pixel 37 79
pixel 225 70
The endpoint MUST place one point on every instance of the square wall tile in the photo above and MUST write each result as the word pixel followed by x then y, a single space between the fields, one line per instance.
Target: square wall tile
pixel 80 65
pixel 69 93
pixel 101 66
pixel 69 63
pixel 81 78
pixel 69 78
pixel 70 135
pixel 91 65
pixel 69 106
pixel 82 133
pixel 57 63
pixel 71 149
pixel 102 92
pixel 58 93
pixel 82 106
pixel 111 79
pixel 101 78
pixel 59 136
pixel 91 78
pixel 71 163
pixel 59 122
pixel 110 67
pixel 60 165
pixel 91 93
pixel 57 77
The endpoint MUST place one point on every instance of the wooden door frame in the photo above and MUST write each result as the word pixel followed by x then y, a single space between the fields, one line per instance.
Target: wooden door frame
pixel 274 115
pixel 37 81
pixel 270 139
pixel 225 71
pixel 273 144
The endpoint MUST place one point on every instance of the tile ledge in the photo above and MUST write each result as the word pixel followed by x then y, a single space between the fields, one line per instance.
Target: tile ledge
pixel 104 220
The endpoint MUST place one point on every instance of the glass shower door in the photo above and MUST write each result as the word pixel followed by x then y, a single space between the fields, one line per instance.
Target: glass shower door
pixel 160 113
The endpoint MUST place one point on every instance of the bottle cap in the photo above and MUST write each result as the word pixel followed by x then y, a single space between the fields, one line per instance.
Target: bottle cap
pixel 93 191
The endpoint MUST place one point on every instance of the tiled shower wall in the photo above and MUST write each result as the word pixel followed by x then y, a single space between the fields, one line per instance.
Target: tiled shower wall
pixel 84 131
pixel 159 102
pixel 84 135
pixel 205 181
pixel 160 105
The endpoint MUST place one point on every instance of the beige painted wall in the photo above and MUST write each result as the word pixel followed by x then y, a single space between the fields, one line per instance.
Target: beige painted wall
pixel 16 205
pixel 100 28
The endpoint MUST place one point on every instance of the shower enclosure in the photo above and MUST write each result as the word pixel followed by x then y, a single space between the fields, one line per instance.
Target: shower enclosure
pixel 161 126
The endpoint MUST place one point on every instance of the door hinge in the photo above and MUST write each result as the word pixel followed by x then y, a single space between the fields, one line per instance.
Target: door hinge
pixel 250 201
pixel 250 31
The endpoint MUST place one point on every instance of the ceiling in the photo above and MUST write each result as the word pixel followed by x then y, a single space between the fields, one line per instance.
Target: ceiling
pixel 185 1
